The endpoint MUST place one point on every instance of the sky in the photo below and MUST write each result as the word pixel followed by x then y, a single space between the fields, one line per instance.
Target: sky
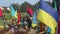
pixel 6 3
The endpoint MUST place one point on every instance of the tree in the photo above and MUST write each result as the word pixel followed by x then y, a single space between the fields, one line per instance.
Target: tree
pixel 5 10
pixel 25 5
pixel 16 6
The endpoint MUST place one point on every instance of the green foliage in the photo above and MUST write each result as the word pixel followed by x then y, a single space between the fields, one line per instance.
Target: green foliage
pixel 16 6
pixel 8 15
pixel 25 5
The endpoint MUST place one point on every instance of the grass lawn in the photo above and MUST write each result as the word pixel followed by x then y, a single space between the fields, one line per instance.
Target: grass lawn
pixel 1 23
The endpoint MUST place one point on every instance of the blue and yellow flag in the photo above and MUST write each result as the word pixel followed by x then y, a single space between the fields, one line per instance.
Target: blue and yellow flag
pixel 12 10
pixel 34 21
pixel 54 5
pixel 15 15
pixel 48 16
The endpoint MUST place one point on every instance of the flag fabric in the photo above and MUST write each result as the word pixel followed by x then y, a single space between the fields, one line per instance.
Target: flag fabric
pixel 49 29
pixel 47 19
pixel 34 21
pixel 1 13
pixel 48 16
pixel 30 11
pixel 44 6
pixel 34 25
pixel 54 4
pixel 12 10
pixel 19 18
pixel 16 15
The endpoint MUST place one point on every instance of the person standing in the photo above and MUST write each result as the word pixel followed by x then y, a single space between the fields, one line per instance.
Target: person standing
pixel 12 27
pixel 29 22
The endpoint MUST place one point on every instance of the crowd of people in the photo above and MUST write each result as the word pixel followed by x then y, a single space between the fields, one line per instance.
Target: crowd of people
pixel 26 24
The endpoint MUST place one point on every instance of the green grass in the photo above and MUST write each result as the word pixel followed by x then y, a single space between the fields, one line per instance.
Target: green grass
pixel 1 23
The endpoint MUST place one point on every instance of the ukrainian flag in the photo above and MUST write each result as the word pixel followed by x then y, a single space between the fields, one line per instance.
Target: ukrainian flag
pixel 12 10
pixel 34 21
pixel 48 16
pixel 15 15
